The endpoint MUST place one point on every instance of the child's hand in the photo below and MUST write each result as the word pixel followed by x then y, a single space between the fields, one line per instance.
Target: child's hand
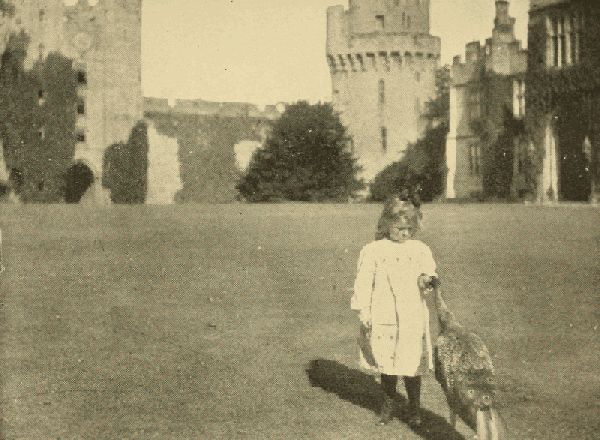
pixel 365 318
pixel 425 282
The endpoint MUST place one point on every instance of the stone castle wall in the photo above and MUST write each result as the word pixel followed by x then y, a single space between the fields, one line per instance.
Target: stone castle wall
pixel 382 61
pixel 490 79
pixel 104 42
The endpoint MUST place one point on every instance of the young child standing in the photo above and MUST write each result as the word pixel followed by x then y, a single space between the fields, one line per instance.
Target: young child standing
pixel 394 272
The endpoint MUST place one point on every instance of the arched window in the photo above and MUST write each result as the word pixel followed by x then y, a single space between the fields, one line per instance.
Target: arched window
pixel 383 132
pixel 381 92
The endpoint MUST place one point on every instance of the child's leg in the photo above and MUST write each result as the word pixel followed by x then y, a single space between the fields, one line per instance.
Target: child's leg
pixel 413 390
pixel 388 383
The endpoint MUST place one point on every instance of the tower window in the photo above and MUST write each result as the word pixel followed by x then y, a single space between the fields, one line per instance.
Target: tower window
pixel 41 97
pixel 562 38
pixel 380 22
pixel 80 135
pixel 404 19
pixel 408 21
pixel 381 92
pixel 42 133
pixel 519 98
pixel 574 41
pixel 474 105
pixel 555 42
pixel 384 143
pixel 474 159
pixel 41 51
pixel 81 107
pixel 81 77
pixel 42 14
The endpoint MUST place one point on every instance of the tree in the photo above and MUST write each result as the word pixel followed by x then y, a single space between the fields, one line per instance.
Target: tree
pixel 125 167
pixel 422 169
pixel 438 109
pixel 305 158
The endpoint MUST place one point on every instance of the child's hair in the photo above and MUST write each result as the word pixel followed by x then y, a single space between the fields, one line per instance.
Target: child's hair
pixel 404 206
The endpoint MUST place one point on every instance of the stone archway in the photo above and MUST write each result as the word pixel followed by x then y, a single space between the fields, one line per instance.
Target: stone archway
pixel 78 180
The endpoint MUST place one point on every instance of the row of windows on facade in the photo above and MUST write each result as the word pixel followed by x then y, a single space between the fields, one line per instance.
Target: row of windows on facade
pixel 563 40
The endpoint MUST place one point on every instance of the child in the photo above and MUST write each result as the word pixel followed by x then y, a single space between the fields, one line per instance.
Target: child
pixel 393 271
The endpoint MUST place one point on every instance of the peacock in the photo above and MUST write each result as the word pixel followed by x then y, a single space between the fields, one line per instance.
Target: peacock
pixel 464 369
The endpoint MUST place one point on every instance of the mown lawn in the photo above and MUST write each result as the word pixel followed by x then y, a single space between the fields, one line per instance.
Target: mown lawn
pixel 233 321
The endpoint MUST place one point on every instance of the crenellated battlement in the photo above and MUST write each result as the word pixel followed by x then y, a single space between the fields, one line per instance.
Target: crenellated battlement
pixel 381 61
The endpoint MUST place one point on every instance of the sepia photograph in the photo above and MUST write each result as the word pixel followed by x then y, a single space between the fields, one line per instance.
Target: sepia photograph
pixel 299 219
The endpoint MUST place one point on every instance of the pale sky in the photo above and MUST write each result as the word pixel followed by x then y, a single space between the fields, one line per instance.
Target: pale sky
pixel 268 51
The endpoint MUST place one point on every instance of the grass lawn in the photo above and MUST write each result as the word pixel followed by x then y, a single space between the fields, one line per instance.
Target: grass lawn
pixel 233 321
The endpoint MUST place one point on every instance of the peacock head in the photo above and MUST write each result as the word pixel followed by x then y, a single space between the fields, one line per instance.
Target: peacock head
pixel 479 390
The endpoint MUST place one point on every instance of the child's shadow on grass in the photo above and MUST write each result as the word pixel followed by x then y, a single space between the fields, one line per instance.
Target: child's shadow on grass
pixel 361 389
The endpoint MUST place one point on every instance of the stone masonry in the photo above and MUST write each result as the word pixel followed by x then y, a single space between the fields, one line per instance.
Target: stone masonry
pixel 104 42
pixel 382 60
pixel 473 96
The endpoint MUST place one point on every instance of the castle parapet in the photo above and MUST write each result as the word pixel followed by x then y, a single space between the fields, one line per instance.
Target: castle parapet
pixel 397 50
pixel 211 108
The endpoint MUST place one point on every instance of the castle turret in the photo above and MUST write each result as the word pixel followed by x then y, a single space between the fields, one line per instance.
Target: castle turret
pixel 368 16
pixel 383 62
pixel 489 81
pixel 504 24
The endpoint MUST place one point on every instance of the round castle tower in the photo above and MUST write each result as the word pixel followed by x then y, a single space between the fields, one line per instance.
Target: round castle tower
pixel 382 60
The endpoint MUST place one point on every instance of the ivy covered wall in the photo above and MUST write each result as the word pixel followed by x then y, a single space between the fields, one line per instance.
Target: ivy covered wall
pixel 37 121
pixel 497 130
pixel 568 96
pixel 206 152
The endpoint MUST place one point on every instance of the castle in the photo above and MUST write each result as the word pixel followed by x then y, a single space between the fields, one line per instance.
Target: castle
pixel 104 42
pixel 383 62
pixel 491 79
